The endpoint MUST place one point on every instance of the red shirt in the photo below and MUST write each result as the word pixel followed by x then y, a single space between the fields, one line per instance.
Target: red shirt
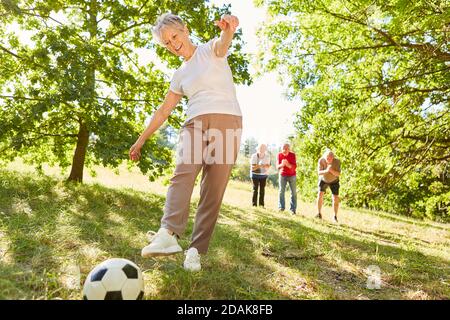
pixel 290 157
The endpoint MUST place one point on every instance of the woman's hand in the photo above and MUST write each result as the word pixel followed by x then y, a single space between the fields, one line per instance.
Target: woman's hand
pixel 228 23
pixel 135 151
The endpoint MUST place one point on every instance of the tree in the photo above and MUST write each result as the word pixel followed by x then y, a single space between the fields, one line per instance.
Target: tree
pixel 76 94
pixel 374 78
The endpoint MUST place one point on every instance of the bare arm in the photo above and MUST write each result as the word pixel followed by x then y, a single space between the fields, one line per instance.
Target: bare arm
pixel 320 171
pixel 228 25
pixel 292 165
pixel 334 172
pixel 279 166
pixel 329 170
pixel 160 116
pixel 256 166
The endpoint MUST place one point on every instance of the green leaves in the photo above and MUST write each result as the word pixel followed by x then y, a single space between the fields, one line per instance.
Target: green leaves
pixel 373 78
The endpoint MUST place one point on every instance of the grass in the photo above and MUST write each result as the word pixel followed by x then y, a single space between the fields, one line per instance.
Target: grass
pixel 53 233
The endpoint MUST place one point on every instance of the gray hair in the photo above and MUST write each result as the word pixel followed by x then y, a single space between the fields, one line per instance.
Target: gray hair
pixel 327 152
pixel 258 148
pixel 166 20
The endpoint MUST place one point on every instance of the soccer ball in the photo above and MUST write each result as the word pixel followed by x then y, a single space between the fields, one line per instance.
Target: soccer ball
pixel 114 279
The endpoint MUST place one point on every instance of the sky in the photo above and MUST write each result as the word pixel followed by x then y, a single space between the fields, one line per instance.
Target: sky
pixel 267 115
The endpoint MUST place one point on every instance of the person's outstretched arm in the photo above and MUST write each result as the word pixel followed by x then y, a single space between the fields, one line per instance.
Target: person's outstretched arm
pixel 228 24
pixel 159 117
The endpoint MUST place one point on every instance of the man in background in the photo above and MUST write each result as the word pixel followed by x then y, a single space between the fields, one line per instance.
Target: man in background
pixel 287 165
pixel 329 170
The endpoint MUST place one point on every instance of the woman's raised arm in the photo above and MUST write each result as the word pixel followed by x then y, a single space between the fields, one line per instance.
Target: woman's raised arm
pixel 170 102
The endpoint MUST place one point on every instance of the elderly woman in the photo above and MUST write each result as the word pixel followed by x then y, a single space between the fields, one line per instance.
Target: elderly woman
pixel 260 165
pixel 209 139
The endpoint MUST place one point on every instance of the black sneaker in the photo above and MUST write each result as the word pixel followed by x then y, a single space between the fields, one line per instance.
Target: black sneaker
pixel 319 216
pixel 293 212
pixel 335 219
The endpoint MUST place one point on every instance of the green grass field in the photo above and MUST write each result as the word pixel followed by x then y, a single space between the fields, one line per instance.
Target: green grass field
pixel 53 233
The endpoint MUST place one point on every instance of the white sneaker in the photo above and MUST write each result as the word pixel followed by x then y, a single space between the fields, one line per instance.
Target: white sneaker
pixel 161 244
pixel 192 260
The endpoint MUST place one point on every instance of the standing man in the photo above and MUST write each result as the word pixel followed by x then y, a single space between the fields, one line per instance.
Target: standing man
pixel 329 170
pixel 287 165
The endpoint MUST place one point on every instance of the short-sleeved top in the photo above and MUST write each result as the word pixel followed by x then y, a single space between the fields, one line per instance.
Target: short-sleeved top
pixel 207 82
pixel 328 177
pixel 257 159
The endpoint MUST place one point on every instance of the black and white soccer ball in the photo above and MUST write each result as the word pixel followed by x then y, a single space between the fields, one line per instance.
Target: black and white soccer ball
pixel 114 279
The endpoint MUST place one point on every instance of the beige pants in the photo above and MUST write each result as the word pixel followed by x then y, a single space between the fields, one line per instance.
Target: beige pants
pixel 200 149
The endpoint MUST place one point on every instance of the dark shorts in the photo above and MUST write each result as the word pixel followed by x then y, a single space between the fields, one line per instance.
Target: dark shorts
pixel 334 186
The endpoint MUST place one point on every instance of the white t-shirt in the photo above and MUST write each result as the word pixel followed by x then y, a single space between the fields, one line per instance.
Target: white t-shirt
pixel 255 159
pixel 207 81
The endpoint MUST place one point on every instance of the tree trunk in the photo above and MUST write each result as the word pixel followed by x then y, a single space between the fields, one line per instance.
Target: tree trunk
pixel 76 174
pixel 83 135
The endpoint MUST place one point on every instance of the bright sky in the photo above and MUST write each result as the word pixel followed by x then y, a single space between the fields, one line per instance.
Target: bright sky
pixel 267 115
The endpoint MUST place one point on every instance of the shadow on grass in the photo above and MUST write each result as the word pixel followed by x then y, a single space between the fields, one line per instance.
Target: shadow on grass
pixel 386 236
pixel 45 224
pixel 337 262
